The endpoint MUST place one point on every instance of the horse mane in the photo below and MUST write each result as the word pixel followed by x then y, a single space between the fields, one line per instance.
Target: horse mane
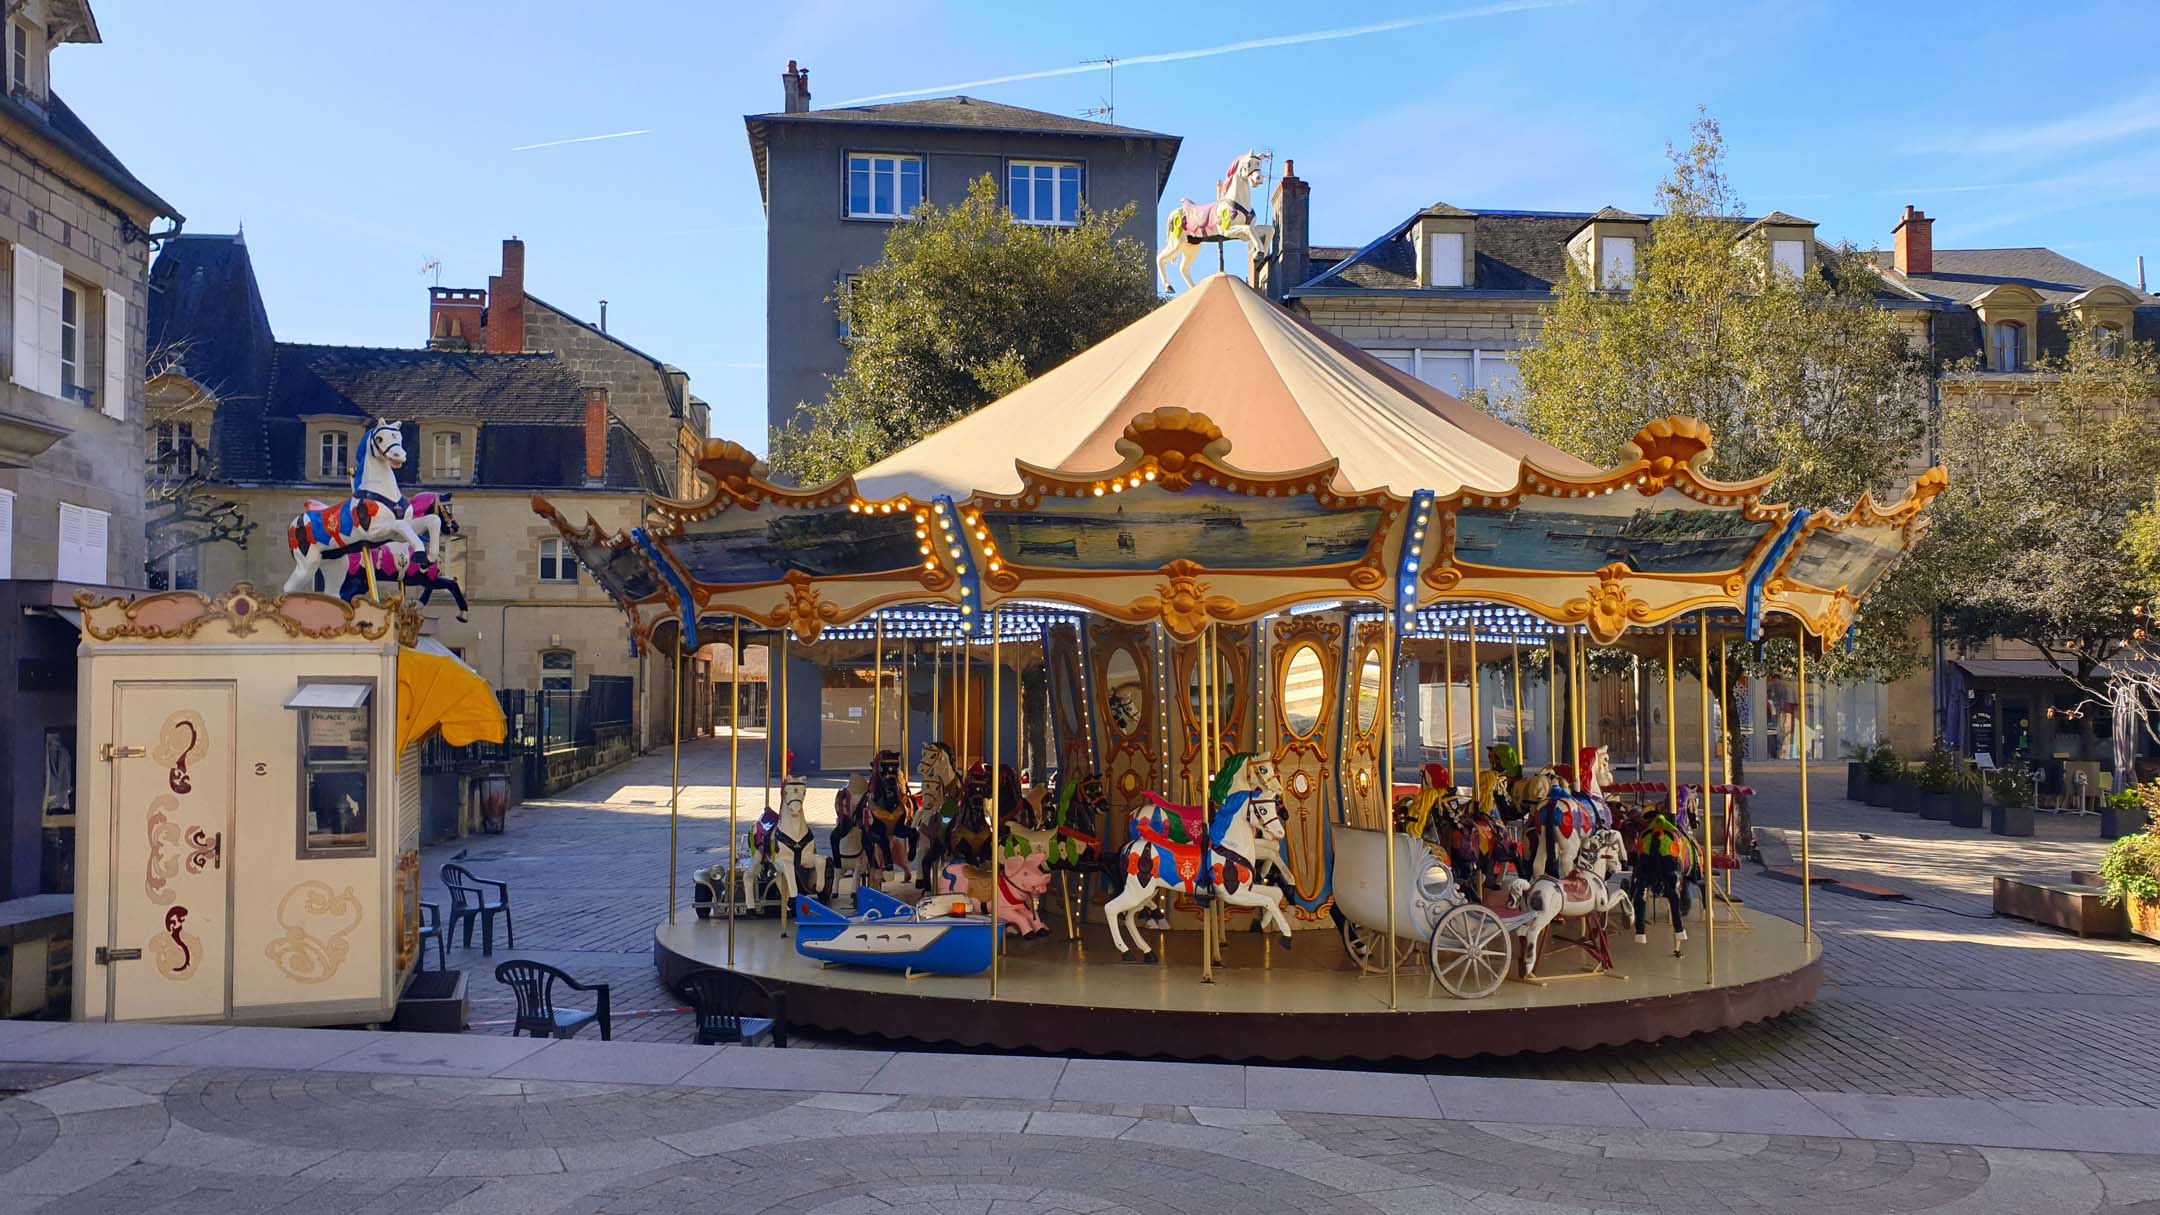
pixel 1220 786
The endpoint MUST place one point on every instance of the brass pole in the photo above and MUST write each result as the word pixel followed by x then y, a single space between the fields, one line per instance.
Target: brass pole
pixel 1807 877
pixel 937 689
pixel 1552 698
pixel 964 696
pixel 1578 693
pixel 734 782
pixel 1447 661
pixel 1522 745
pixel 1672 733
pixel 787 762
pixel 907 655
pixel 1477 760
pixel 1387 788
pixel 1206 749
pixel 877 690
pixel 1724 700
pixel 674 813
pixel 1215 717
pixel 990 765
pixel 1702 682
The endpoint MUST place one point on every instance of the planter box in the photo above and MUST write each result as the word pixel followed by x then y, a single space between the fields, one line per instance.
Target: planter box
pixel 1907 798
pixel 1966 812
pixel 2065 905
pixel 2010 820
pixel 2115 824
pixel 1856 782
pixel 2143 918
pixel 1878 793
pixel 434 1003
pixel 1935 807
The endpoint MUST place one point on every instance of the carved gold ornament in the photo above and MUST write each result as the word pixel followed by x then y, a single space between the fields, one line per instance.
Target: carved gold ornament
pixel 180 615
pixel 1609 607
pixel 1666 446
pixel 1183 602
pixel 1175 439
pixel 803 611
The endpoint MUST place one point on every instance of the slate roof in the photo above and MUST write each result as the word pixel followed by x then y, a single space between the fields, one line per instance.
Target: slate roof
pixel 961 113
pixel 68 132
pixel 1961 274
pixel 205 304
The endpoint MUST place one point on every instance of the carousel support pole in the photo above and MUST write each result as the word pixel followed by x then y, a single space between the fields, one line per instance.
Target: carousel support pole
pixel 674 810
pixel 907 655
pixel 787 761
pixel 1709 911
pixel 1477 759
pixel 1522 745
pixel 1213 653
pixel 1447 662
pixel 1387 790
pixel 1552 698
pixel 1635 678
pixel 1578 693
pixel 734 782
pixel 997 796
pixel 1672 734
pixel 877 690
pixel 1807 875
pixel 1724 700
pixel 1206 750
pixel 937 687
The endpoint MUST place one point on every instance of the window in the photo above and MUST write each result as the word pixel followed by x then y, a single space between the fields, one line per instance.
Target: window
pixel 841 295
pixel 2006 346
pixel 1789 256
pixel 557 562
pixel 178 571
pixel 19 57
pixel 449 455
pixel 1616 271
pixel 558 670
pixel 82 544
pixel 1458 371
pixel 331 457
pixel 1443 259
pixel 71 319
pixel 1044 192
pixel 883 187
pixel 1450 371
pixel 337 813
pixel 174 453
pixel 7 533
pixel 2110 340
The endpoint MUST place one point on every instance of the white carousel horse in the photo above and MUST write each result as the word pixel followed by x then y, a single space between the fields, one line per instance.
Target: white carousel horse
pixel 1229 217
pixel 1595 775
pixel 1588 891
pixel 376 513
pixel 1558 820
pixel 1167 853
pixel 790 848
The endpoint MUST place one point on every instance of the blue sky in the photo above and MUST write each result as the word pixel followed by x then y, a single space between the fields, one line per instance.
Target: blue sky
pixel 356 148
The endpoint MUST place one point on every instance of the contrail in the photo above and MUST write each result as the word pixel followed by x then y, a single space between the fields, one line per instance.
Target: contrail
pixel 556 143
pixel 1232 48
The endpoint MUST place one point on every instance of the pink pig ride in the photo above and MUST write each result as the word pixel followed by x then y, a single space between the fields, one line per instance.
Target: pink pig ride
pixel 1020 881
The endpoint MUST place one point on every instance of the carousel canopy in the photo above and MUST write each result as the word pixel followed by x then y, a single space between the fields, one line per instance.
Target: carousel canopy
pixel 1293 395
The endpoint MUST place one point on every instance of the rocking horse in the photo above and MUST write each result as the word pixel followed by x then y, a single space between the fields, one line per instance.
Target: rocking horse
pixel 1587 894
pixel 888 833
pixel 1229 217
pixel 1208 855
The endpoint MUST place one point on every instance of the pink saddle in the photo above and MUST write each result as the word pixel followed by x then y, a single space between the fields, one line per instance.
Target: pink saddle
pixel 1199 220
pixel 1194 818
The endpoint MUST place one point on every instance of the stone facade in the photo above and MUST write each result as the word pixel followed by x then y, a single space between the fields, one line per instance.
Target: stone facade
pixel 652 398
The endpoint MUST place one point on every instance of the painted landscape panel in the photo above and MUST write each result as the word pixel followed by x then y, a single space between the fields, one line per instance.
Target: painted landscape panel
pixel 1669 533
pixel 622 571
pixel 1851 560
pixel 1149 528
pixel 742 546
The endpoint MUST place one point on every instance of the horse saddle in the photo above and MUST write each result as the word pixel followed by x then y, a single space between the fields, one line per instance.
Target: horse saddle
pixel 1175 824
pixel 1575 888
pixel 1198 221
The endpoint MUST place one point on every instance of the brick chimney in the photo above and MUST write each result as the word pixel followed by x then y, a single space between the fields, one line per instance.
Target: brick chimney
pixel 1290 207
pixel 595 435
pixel 506 302
pixel 795 89
pixel 457 318
pixel 1915 242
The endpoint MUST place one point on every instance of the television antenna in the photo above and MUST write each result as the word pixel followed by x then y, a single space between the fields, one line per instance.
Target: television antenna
pixel 1107 111
pixel 433 266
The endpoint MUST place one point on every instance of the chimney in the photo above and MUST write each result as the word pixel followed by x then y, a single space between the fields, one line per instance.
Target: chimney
pixel 506 302
pixel 457 318
pixel 795 89
pixel 1915 242
pixel 595 435
pixel 1290 207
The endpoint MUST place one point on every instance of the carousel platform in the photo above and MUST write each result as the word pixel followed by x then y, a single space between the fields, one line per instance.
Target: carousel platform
pixel 1304 1003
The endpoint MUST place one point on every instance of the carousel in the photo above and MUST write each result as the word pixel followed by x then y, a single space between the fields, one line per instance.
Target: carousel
pixel 1179 636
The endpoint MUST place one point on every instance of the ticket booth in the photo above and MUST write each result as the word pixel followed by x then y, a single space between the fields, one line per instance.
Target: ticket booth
pixel 247 849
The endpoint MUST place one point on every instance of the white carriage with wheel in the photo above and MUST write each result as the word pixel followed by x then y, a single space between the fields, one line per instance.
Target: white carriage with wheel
pixel 1467 945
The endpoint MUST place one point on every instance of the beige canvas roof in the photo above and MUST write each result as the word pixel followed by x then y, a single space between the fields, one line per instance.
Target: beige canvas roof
pixel 1285 393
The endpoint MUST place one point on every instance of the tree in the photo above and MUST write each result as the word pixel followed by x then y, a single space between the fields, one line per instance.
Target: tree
pixel 184 511
pixel 966 306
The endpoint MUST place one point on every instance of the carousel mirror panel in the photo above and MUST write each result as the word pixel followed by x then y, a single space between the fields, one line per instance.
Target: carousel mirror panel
pixel 1303 673
pixel 1142 530
pixel 1362 792
pixel 1121 669
pixel 1668 533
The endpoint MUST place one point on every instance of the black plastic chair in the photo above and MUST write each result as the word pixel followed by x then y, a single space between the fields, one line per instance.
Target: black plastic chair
pixel 469 902
pixel 720 998
pixel 431 930
pixel 533 983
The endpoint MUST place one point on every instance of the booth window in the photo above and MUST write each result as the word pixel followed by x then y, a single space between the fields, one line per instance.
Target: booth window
pixel 337 811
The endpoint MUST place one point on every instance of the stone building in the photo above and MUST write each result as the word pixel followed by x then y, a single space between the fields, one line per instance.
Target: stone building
pixel 78 227
pixel 1449 295
pixel 833 182
pixel 278 423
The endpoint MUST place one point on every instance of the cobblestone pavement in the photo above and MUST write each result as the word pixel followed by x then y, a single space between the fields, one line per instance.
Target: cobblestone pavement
pixel 914 1135
pixel 1930 997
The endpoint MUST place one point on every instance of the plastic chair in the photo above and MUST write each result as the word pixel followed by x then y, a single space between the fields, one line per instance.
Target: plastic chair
pixel 431 930
pixel 469 902
pixel 533 983
pixel 720 997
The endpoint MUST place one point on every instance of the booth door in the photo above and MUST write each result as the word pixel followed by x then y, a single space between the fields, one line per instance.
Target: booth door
pixel 169 952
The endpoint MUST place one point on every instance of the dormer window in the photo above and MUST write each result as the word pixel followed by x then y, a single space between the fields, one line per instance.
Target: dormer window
pixel 1444 254
pixel 2110 340
pixel 2006 346
pixel 18 56
pixel 1444 240
pixel 1616 263
pixel 1789 256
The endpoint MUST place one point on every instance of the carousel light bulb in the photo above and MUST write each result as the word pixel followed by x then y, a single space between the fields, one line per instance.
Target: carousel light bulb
pixel 1150 474
pixel 939 507
pixel 1098 491
pixel 956 554
pixel 1117 487
pixel 854 508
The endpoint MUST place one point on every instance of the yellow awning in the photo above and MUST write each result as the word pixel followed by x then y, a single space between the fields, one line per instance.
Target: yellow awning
pixel 435 690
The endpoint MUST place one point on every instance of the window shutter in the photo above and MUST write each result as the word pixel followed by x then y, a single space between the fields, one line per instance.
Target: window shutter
pixel 116 364
pixel 7 533
pixel 95 526
pixel 48 309
pixel 68 567
pixel 25 369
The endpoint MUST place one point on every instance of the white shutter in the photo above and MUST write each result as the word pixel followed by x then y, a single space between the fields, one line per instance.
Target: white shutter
pixel 96 525
pixel 116 364
pixel 48 306
pixel 25 319
pixel 7 533
pixel 69 565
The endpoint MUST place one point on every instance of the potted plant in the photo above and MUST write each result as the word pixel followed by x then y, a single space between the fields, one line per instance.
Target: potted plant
pixel 1966 808
pixel 1882 769
pixel 1937 771
pixel 2122 813
pixel 1856 774
pixel 2012 812
pixel 1906 800
pixel 2131 873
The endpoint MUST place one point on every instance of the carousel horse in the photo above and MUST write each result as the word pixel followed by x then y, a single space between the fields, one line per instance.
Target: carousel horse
pixel 1229 217
pixel 376 513
pixel 1588 892
pixel 888 830
pixel 1503 758
pixel 1210 855
pixel 934 807
pixel 1420 812
pixel 1664 855
pixel 851 820
pixel 394 562
pixel 786 848
pixel 1479 846
pixel 1558 823
pixel 1595 764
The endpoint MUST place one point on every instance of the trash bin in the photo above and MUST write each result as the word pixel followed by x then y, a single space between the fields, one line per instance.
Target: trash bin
pixel 494 791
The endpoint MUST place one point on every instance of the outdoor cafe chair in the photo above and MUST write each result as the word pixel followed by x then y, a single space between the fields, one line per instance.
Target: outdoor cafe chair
pixel 470 902
pixel 533 983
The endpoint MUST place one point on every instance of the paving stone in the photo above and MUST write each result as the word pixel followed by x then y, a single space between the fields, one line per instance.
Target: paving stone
pixel 1338 1092
pixel 1490 1099
pixel 967 1076
pixel 1696 1108
pixel 1112 1080
pixel 799 1070
pixel 434 1055
pixel 610 1062
pixel 1934 1120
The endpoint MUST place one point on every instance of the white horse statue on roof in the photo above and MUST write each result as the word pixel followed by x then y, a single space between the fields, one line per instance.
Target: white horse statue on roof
pixel 1229 217
pixel 376 513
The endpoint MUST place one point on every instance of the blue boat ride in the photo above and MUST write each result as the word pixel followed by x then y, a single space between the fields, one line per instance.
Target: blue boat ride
pixel 888 934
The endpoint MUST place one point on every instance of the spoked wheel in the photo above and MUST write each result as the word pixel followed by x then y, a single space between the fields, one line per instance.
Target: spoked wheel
pixel 1470 952
pixel 1364 947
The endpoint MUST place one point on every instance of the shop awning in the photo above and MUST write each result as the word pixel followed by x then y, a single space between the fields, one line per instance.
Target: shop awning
pixel 436 691
pixel 2009 668
pixel 329 696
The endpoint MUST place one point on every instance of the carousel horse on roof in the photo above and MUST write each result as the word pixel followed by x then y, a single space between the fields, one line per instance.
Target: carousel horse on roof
pixel 1229 217
pixel 376 513
pixel 395 564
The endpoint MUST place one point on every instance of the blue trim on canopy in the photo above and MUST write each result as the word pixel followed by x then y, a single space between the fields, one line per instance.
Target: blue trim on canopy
pixel 966 568
pixel 1413 555
pixel 682 592
pixel 1754 609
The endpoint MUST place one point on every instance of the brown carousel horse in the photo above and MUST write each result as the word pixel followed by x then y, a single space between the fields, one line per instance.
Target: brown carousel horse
pixel 1480 847
pixel 887 814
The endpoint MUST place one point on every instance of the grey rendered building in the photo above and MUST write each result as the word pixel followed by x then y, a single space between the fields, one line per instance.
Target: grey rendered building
pixel 834 182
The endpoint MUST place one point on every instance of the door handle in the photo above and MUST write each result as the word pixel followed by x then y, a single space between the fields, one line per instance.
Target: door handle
pixel 107 956
pixel 217 851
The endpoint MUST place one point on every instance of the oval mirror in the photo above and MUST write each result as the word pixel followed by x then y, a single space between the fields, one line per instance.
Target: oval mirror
pixel 1368 692
pixel 1304 691
pixel 1123 693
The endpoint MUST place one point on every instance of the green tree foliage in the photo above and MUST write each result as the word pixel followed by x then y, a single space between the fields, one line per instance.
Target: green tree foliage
pixel 966 306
